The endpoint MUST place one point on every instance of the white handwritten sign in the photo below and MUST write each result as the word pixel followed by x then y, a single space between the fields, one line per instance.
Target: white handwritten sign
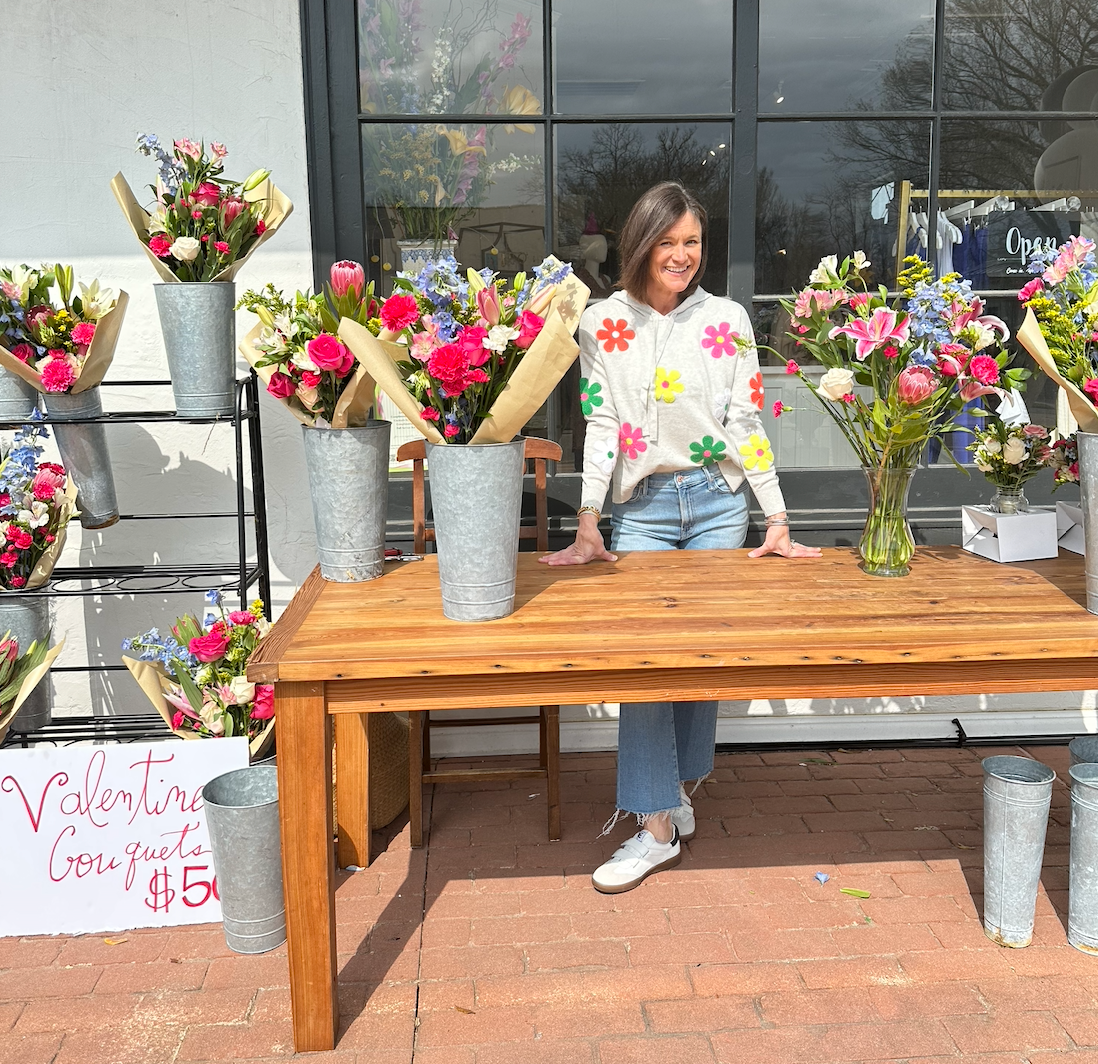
pixel 106 838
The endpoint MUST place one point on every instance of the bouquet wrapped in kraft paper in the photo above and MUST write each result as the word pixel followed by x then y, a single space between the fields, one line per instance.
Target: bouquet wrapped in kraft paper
pixel 20 674
pixel 470 361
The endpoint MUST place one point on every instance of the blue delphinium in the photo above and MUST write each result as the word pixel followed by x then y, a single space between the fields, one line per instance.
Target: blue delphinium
pixel 171 171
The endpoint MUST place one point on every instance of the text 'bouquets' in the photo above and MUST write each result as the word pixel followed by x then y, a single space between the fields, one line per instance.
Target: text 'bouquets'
pixel 297 353
pixel 36 503
pixel 210 695
pixel 921 356
pixel 201 226
pixel 1061 328
pixel 475 355
pixel 58 342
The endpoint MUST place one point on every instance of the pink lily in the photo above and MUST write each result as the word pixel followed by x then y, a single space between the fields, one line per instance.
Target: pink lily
pixel 973 389
pixel 881 327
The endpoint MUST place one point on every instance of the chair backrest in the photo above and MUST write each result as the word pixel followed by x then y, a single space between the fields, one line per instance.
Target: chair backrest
pixel 536 451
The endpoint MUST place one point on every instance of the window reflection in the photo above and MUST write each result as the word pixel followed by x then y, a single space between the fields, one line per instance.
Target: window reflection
pixel 450 57
pixel 845 55
pixel 642 57
pixel 1014 55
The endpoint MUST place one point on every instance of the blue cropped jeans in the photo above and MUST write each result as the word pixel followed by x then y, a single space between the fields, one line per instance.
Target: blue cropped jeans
pixel 661 744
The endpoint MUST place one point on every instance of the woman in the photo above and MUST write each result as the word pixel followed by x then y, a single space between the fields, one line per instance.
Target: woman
pixel 672 393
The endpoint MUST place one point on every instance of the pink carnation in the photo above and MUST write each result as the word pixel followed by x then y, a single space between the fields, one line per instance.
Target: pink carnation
pixel 429 414
pixel 985 369
pixel 221 247
pixel 399 311
pixel 242 617
pixel 45 483
pixel 451 430
pixel 450 366
pixel 1091 389
pixel 58 375
pixel 160 246
pixel 83 333
pixel 310 379
pixel 1030 290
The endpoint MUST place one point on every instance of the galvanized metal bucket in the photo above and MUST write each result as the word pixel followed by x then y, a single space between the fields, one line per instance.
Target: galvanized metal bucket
pixel 242 817
pixel 18 399
pixel 85 454
pixel 349 484
pixel 1017 795
pixel 28 619
pixel 1082 927
pixel 199 327
pixel 476 495
pixel 1088 487
pixel 1083 750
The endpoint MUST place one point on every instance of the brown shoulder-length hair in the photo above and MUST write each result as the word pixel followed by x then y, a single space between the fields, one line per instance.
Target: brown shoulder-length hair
pixel 652 215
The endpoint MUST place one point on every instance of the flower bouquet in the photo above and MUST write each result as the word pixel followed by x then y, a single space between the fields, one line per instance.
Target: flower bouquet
pixel 468 362
pixel 201 228
pixel 1064 461
pixel 61 343
pixel 20 674
pixel 921 357
pixel 196 679
pixel 296 353
pixel 36 503
pixel 1010 455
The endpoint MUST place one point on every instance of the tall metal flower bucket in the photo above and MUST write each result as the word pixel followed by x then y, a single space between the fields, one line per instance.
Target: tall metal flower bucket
pixel 27 617
pixel 349 484
pixel 85 454
pixel 1083 750
pixel 1017 795
pixel 476 495
pixel 242 818
pixel 199 327
pixel 18 399
pixel 1082 929
pixel 1088 488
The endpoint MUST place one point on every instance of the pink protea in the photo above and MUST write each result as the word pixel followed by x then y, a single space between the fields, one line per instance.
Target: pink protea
pixel 58 375
pixel 915 384
pixel 346 276
pixel 83 332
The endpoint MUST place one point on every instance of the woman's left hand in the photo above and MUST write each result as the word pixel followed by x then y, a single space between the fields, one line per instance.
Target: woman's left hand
pixel 778 542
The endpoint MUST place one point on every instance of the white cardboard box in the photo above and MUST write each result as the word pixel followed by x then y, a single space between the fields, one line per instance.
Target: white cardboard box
pixel 1069 527
pixel 1008 537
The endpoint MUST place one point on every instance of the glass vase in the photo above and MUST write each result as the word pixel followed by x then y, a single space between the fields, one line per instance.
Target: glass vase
pixel 1009 500
pixel 887 545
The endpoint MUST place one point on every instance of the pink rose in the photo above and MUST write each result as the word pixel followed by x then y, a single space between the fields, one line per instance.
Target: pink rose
pixel 1091 388
pixel 160 246
pixel 209 647
pixel 1037 432
pixel 471 341
pixel 528 325
pixel 307 397
pixel 399 311
pixel 23 352
pixel 207 194
pixel 346 276
pixel 915 384
pixel 327 352
pixel 281 386
pixel 264 706
pixel 242 617
pixel 58 375
pixel 83 333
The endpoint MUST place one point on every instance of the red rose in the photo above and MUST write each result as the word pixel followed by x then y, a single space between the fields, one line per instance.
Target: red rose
pixel 263 707
pixel 209 647
pixel 399 311
pixel 281 386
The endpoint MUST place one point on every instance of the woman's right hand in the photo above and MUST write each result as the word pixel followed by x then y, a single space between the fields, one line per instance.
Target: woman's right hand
pixel 588 547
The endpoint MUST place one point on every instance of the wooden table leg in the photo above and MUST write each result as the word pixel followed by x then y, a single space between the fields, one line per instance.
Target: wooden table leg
pixel 308 860
pixel 352 774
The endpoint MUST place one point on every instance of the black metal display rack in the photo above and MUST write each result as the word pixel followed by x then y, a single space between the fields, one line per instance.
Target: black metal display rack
pixel 234 577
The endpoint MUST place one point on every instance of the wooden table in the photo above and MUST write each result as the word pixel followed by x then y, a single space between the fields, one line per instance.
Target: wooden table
pixel 654 626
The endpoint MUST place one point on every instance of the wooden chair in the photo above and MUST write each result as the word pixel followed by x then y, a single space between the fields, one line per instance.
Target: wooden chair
pixel 547 718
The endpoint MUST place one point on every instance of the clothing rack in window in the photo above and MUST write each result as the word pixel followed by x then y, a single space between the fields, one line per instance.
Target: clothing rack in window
pixel 907 194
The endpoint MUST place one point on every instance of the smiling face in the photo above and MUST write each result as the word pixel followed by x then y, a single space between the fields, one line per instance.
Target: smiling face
pixel 672 263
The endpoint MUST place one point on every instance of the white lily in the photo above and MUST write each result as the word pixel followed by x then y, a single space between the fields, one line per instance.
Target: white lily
pixel 95 301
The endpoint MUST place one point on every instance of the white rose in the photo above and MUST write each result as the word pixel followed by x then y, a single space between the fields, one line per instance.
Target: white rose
pixel 836 383
pixel 184 248
pixel 1014 452
pixel 243 691
pixel 992 445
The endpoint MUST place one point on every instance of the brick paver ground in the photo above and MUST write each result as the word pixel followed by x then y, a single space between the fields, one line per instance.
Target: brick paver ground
pixel 490 947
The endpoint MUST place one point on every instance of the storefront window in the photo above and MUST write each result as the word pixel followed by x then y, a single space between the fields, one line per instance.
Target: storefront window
pixel 642 57
pixel 845 56
pixel 450 57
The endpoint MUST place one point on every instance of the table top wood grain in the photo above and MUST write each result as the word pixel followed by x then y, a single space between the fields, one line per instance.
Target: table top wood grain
pixel 696 610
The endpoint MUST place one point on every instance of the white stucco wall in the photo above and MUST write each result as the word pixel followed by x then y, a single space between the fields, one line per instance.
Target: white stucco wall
pixel 81 81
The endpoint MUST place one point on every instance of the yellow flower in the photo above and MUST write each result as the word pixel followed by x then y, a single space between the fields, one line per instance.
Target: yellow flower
pixel 667 384
pixel 459 144
pixel 518 100
pixel 757 453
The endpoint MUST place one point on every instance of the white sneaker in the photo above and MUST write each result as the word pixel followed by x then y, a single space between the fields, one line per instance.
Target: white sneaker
pixel 683 817
pixel 635 860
